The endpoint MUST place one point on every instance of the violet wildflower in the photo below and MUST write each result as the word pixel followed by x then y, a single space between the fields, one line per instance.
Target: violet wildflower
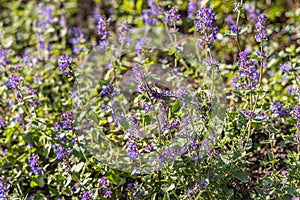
pixel 286 67
pixel 248 71
pixel 110 91
pixel 107 193
pixel 20 120
pixel 132 152
pixel 155 9
pixel 297 138
pixel 103 181
pixel 103 32
pixel 203 183
pixel 278 110
pixel 14 80
pixel 57 126
pixel 68 122
pixel 33 162
pixel 192 8
pixel 123 31
pixel 97 13
pixel 150 15
pixel 87 195
pixel 140 46
pixel 4 56
pixel 73 94
pixel 77 40
pixel 205 26
pixel 138 73
pixel 171 16
pixel 253 12
pixel 148 108
pixel 260 27
pixel 65 64
pixel 296 112
pixel 62 153
pixel 3 190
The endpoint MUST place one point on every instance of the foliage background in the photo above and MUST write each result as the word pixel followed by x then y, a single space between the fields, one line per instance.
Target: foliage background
pixel 267 169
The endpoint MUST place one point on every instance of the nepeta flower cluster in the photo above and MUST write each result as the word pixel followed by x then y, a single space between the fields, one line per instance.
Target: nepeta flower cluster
pixel 65 64
pixel 3 190
pixel 66 123
pixel 171 16
pixel 87 195
pixel 77 40
pixel 33 162
pixel 103 32
pixel 193 7
pixel 123 31
pixel 196 188
pixel 205 26
pixel 62 153
pixel 230 21
pixel 253 12
pixel 150 16
pixel 279 110
pixel 138 73
pixel 296 112
pixel 14 80
pixel 248 75
pixel 286 67
pixel 104 182
pixel 260 27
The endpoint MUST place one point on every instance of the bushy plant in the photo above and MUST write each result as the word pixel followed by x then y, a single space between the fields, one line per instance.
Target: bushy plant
pixel 229 95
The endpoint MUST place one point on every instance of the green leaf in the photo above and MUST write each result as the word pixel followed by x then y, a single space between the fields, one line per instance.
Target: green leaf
pixel 40 181
pixel 242 176
pixel 176 106
pixel 33 184
pixel 290 139
pixel 265 142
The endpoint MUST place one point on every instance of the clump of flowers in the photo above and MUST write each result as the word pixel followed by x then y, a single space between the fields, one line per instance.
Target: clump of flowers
pixel 33 162
pixel 171 17
pixel 150 16
pixel 286 67
pixel 65 64
pixel 103 32
pixel 104 182
pixel 193 6
pixel 62 153
pixel 205 26
pixel 260 27
pixel 279 110
pixel 87 195
pixel 296 113
pixel 3 190
pixel 248 77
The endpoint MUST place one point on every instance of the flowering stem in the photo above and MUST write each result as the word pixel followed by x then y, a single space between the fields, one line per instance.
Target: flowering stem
pixel 156 116
pixel 261 65
pixel 237 28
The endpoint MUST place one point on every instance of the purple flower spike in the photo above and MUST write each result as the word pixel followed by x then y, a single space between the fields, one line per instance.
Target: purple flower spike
pixel 171 16
pixel 296 112
pixel 205 26
pixel 33 160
